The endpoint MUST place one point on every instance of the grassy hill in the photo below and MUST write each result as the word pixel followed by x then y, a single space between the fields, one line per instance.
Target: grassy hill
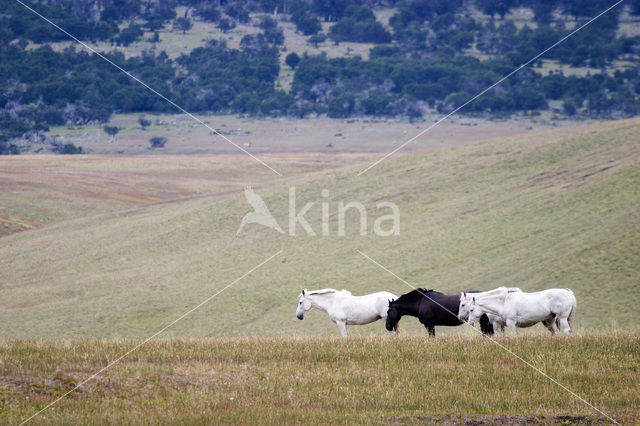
pixel 557 208
pixel 38 189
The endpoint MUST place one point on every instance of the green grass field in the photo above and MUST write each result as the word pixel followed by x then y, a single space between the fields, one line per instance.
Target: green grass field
pixel 452 380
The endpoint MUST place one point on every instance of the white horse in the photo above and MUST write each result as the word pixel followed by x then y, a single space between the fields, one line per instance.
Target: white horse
pixel 555 308
pixel 465 305
pixel 344 308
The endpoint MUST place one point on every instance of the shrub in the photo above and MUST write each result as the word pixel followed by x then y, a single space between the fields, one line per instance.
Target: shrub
pixel 158 142
pixel 69 148
pixel 111 131
pixel 144 123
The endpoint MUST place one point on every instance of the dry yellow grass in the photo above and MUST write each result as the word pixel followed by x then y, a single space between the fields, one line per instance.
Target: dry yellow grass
pixel 310 380
pixel 185 136
pixel 39 189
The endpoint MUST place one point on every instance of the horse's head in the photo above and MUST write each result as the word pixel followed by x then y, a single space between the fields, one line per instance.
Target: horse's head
pixel 475 311
pixel 304 304
pixel 393 316
pixel 464 308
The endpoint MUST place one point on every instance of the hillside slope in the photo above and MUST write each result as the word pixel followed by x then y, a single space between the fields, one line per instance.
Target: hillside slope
pixel 556 208
pixel 46 189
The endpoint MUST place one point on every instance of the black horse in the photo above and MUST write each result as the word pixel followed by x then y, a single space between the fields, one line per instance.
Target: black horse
pixel 432 308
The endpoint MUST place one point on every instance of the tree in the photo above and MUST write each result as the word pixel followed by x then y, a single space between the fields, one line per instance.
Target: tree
pixel 268 23
pixel 159 13
pixel 225 25
pixel 292 60
pixel 246 103
pixel 317 39
pixel 359 25
pixel 144 123
pixel 306 22
pixel 340 106
pixel 129 35
pixel 543 9
pixel 208 12
pixel 376 103
pixel 158 142
pixel 274 36
pixel 330 10
pixel 491 7
pixel 182 24
pixel 237 11
pixel 111 131
pixel 570 107
pixel 8 148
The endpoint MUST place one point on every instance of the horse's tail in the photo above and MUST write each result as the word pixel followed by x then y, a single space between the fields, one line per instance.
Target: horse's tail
pixel 572 315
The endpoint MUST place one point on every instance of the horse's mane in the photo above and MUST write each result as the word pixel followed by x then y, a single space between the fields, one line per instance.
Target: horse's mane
pixel 493 291
pixel 415 294
pixel 496 293
pixel 326 291
pixel 502 289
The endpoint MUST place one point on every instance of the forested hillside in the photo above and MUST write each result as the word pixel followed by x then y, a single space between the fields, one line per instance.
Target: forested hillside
pixel 424 57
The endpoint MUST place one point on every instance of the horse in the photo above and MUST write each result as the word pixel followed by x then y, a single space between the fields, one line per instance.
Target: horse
pixel 344 308
pixel 465 302
pixel 432 308
pixel 555 308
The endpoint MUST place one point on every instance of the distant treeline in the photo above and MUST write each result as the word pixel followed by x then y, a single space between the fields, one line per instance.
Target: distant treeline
pixel 424 59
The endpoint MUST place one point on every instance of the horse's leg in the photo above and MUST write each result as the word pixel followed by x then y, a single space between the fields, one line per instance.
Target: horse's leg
pixel 486 326
pixel 552 324
pixel 511 325
pixel 432 330
pixel 497 325
pixel 395 329
pixel 564 325
pixel 343 328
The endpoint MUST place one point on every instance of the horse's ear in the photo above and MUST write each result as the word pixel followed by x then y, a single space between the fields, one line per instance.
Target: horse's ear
pixel 464 294
pixel 474 299
pixel 303 290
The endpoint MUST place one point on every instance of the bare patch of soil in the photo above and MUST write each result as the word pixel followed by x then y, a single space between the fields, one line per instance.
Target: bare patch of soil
pixel 10 224
pixel 494 419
